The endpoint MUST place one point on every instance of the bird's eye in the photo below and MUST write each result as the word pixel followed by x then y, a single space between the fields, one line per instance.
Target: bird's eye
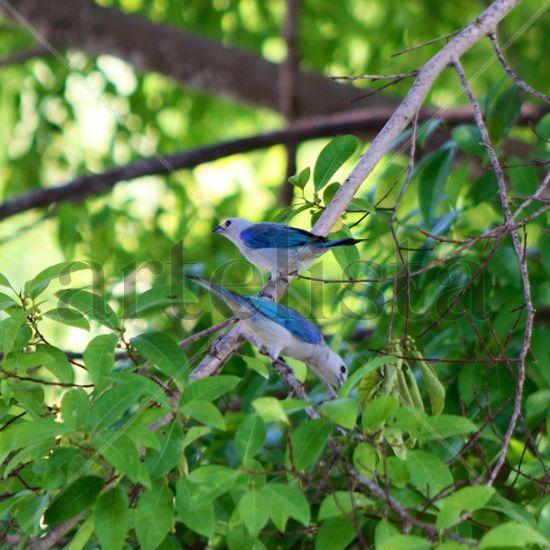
pixel 227 223
pixel 343 369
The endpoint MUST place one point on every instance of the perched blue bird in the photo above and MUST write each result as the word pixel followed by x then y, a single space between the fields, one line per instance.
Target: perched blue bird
pixel 276 247
pixel 280 330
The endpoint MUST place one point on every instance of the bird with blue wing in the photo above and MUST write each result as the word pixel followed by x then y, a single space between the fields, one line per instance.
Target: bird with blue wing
pixel 276 247
pixel 281 331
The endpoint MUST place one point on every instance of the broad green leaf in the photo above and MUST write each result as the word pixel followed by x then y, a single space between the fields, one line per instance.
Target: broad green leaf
pixel 257 364
pixel 91 305
pixel 164 352
pixel 365 458
pixel 61 271
pixel 363 371
pixel 250 437
pixel 7 302
pixel 68 316
pixel 270 409
pixel 342 412
pixel 253 510
pixel 112 518
pixel 512 535
pixel 503 112
pixel 428 473
pixel 211 481
pixel 9 329
pixel 384 531
pixel 30 397
pixel 198 517
pixel 331 158
pixel 286 501
pixel 378 411
pixel 404 542
pixel 466 499
pixel 194 433
pixel 335 533
pixel 59 365
pixel 75 498
pixel 74 408
pixel 209 389
pixel 99 358
pixel 342 503
pixel 119 451
pixel 170 453
pixel 154 299
pixel 4 281
pixel 82 535
pixel 309 441
pixel 446 425
pixel 153 516
pixel 204 412
pixel 300 180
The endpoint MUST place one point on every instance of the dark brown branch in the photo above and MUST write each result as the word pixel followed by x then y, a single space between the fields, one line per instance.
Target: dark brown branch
pixel 367 121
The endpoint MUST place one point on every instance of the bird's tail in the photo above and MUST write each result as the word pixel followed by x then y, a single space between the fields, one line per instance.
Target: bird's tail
pixel 341 242
pixel 234 301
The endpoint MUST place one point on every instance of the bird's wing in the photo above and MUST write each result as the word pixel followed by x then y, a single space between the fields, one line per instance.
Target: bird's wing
pixel 295 323
pixel 277 235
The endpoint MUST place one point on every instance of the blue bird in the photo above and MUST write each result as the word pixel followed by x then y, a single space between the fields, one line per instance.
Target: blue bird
pixel 276 247
pixel 279 330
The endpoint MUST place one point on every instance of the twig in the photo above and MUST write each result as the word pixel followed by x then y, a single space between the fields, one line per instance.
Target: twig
pixel 399 76
pixel 427 43
pixel 509 71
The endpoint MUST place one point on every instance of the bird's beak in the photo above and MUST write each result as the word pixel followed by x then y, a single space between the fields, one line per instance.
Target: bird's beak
pixel 217 229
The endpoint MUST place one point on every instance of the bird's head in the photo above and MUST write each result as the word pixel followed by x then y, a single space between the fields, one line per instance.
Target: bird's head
pixel 335 369
pixel 232 227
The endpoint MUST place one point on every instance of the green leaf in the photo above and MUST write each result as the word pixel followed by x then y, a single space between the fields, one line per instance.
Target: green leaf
pixel 4 281
pixel 99 358
pixel 204 412
pixel 253 510
pixel 82 535
pixel 194 433
pixel 378 411
pixel 68 316
pixel 284 501
pixel 432 176
pixel 91 305
pixel 404 542
pixel 270 409
pixel 365 458
pixel 119 451
pixel 512 535
pixel 300 180
pixel 467 499
pixel 61 271
pixel 59 365
pixel 250 437
pixel 468 138
pixel 331 158
pixel 156 298
pixel 170 453
pixel 257 364
pixel 426 129
pixel 74 408
pixel 335 533
pixel 9 331
pixel 384 531
pixel 446 425
pixel 7 302
pixel 428 472
pixel 435 389
pixel 199 517
pixel 209 389
pixel 342 412
pixel 75 498
pixel 164 352
pixel 153 516
pixel 211 481
pixel 360 373
pixel 342 503
pixel 309 441
pixel 112 519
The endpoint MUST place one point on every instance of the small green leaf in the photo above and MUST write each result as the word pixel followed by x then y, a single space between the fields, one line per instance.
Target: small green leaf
pixel 378 411
pixel 300 180
pixel 4 281
pixel 446 425
pixel 332 157
pixel 363 371
pixel 211 481
pixel 384 531
pixel 335 533
pixel 7 302
pixel 204 412
pixel 467 499
pixel 342 503
pixel 153 516
pixel 250 437
pixel 270 409
pixel 63 270
pixel 253 510
pixel 99 358
pixel 468 138
pixel 75 498
pixel 286 500
pixel 198 517
pixel 154 299
pixel 342 412
pixel 309 441
pixel 428 473
pixel 164 352
pixel 512 535
pixel 257 364
pixel 209 389
pixel 74 408
pixel 170 453
pixel 112 519
pixel 119 451
pixel 404 542
pixel 91 305
pixel 68 316
pixel 365 458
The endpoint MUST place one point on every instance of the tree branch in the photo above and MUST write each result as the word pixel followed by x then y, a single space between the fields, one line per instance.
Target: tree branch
pixel 197 62
pixel 470 35
pixel 367 121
